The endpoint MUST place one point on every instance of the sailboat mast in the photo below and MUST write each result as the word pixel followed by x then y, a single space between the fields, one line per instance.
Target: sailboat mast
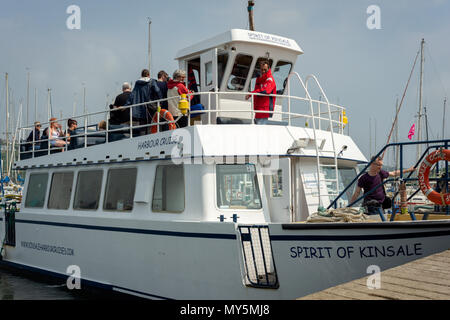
pixel 397 148
pixel 419 124
pixel 28 98
pixel 443 120
pixel 149 47
pixel 7 118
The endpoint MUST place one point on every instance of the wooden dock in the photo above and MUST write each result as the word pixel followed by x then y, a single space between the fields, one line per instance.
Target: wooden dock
pixel 424 279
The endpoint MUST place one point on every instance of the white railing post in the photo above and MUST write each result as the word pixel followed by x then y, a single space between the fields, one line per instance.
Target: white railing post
pixel 209 108
pixel 131 122
pixel 289 102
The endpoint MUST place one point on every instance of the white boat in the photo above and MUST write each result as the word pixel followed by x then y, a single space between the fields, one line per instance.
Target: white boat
pixel 215 210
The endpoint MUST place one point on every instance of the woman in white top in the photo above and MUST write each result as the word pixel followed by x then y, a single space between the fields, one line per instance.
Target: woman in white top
pixel 54 134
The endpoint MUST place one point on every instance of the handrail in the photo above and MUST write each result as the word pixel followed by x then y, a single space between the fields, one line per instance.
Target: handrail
pixel 440 143
pixel 210 112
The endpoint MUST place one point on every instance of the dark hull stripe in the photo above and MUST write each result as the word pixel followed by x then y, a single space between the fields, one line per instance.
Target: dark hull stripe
pixel 132 230
pixel 390 236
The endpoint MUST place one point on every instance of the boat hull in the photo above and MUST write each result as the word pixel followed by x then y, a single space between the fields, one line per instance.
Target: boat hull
pixel 200 260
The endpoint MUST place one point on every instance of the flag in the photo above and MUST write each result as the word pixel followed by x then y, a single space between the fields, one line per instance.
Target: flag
pixel 411 131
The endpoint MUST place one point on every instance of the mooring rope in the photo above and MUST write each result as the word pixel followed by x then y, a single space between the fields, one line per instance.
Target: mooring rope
pixel 338 215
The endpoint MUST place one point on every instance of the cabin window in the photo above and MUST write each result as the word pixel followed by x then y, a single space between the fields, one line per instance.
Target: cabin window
pixel 276 182
pixel 280 74
pixel 240 72
pixel 60 190
pixel 89 186
pixel 208 73
pixel 222 60
pixel 257 72
pixel 237 187
pixel 120 188
pixel 346 176
pixel 37 188
pixel 168 191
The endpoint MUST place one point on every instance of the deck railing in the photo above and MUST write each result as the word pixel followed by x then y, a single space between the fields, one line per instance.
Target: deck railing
pixel 314 114
pixel 431 145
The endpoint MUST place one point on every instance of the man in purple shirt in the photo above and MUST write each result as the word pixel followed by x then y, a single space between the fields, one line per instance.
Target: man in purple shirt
pixel 372 178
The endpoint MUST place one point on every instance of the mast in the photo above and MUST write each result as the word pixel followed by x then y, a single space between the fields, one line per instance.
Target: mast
pixel 251 22
pixel 28 97
pixel 149 47
pixel 443 119
pixel 7 118
pixel 397 148
pixel 419 124
pixel 49 113
pixel 35 104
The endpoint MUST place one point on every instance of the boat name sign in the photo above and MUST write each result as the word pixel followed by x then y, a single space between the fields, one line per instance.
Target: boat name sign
pixel 363 252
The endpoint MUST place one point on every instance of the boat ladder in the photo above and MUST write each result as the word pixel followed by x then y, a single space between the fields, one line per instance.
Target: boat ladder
pixel 259 265
pixel 320 152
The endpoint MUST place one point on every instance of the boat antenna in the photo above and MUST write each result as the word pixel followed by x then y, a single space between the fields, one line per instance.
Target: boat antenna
pixel 251 22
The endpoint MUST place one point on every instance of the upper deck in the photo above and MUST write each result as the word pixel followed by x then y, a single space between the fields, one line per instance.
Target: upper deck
pixel 224 70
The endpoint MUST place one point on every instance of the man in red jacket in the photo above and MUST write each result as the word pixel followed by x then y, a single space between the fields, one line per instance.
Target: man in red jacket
pixel 265 84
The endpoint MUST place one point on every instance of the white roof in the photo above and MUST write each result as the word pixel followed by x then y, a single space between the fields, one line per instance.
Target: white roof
pixel 240 35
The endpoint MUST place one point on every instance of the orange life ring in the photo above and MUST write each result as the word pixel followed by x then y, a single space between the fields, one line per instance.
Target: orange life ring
pixel 165 114
pixel 424 182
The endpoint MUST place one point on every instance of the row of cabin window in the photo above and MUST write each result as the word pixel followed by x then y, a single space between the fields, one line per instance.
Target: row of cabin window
pixel 168 192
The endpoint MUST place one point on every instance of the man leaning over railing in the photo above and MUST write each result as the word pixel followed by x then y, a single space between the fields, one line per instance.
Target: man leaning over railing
pixel 370 180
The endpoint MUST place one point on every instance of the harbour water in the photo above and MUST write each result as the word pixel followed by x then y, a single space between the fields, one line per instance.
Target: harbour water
pixel 20 285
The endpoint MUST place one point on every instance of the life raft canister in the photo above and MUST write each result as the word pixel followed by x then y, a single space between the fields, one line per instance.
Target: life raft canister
pixel 165 114
pixel 424 182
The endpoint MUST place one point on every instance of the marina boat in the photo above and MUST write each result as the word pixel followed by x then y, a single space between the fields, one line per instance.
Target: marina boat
pixel 214 210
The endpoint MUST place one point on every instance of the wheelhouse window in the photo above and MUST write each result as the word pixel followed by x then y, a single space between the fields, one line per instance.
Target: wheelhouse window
pixel 120 189
pixel 240 72
pixel 208 73
pixel 257 72
pixel 237 187
pixel 276 181
pixel 222 60
pixel 168 191
pixel 89 186
pixel 37 188
pixel 280 74
pixel 346 176
pixel 60 190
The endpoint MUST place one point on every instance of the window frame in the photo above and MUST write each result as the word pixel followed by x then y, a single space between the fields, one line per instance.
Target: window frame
pixel 184 188
pixel 107 184
pixel 50 190
pixel 76 190
pixel 44 205
pixel 292 67
pixel 232 209
pixel 230 73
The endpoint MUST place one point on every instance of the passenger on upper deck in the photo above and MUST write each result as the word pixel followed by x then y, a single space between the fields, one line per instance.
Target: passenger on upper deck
pixel 120 115
pixel 36 133
pixel 175 88
pixel 145 90
pixel 71 127
pixel 265 84
pixel 54 134
pixel 163 77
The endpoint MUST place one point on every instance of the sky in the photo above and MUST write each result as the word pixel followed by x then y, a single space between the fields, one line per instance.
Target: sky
pixel 365 70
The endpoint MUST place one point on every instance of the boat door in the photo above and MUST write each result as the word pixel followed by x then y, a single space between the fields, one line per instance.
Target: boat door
pixel 208 79
pixel 278 191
